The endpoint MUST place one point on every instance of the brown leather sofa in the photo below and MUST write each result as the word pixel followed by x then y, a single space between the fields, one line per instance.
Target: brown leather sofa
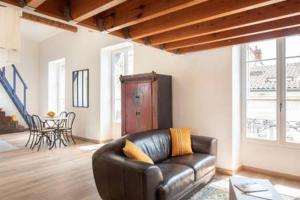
pixel 170 178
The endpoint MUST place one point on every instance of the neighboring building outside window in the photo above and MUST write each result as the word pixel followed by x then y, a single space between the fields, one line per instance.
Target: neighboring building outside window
pixel 271 71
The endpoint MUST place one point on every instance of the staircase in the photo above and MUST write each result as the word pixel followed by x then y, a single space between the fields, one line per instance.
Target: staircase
pixel 8 125
pixel 6 122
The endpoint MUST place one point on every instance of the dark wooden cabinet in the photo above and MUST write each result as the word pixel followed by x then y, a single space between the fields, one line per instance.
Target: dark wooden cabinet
pixel 146 102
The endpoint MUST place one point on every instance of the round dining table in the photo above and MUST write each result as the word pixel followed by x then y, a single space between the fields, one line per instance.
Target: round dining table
pixel 55 122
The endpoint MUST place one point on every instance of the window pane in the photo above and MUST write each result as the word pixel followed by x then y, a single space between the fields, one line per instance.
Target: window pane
pixel 293 46
pixel 117 110
pixel 75 89
pixel 80 89
pixel 293 99
pixel 85 88
pixel 118 59
pixel 56 86
pixel 122 64
pixel 262 81
pixel 261 91
pixel 261 50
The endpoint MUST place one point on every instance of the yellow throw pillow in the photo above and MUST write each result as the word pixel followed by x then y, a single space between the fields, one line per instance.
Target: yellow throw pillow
pixel 181 141
pixel 134 152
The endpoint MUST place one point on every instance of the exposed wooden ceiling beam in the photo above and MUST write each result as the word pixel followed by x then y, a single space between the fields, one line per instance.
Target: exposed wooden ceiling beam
pixel 200 13
pixel 83 9
pixel 235 33
pixel 13 2
pixel 241 40
pixel 35 3
pixel 137 11
pixel 23 3
pixel 268 13
pixel 49 22
pixel 53 8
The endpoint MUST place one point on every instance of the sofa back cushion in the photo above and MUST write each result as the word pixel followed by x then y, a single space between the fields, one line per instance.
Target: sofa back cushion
pixel 156 143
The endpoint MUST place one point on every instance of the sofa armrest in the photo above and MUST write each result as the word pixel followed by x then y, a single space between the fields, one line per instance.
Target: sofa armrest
pixel 202 144
pixel 117 177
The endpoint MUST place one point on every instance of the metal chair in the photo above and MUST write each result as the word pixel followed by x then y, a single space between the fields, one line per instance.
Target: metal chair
pixel 69 126
pixel 31 131
pixel 63 114
pixel 41 132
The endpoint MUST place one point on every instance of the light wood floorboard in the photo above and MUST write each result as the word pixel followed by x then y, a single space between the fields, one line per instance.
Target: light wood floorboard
pixel 60 174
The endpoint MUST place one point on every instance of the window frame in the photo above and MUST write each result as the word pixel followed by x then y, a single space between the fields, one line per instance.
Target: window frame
pixel 124 50
pixel 58 89
pixel 280 98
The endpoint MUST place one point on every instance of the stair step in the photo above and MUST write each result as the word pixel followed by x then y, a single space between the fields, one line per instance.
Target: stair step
pixel 7 125
pixel 2 113
pixel 6 119
pixel 13 130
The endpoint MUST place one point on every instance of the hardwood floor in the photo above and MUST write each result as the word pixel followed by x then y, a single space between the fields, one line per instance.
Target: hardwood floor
pixel 62 174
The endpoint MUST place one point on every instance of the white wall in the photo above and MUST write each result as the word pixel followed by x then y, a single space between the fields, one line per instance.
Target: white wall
pixel 236 107
pixel 201 92
pixel 81 51
pixel 205 95
pixel 199 80
pixel 271 157
pixel 29 70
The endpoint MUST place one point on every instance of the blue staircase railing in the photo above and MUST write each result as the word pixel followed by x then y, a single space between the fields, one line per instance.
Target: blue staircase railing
pixel 12 91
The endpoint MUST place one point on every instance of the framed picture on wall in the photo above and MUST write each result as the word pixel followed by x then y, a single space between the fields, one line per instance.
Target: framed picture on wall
pixel 80 87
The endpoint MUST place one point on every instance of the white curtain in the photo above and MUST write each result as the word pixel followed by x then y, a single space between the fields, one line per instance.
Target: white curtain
pixel 9 35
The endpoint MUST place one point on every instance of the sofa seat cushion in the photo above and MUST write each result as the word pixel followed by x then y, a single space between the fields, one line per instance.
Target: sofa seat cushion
pixel 201 163
pixel 176 178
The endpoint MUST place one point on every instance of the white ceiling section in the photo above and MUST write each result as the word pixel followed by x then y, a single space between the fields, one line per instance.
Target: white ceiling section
pixel 37 32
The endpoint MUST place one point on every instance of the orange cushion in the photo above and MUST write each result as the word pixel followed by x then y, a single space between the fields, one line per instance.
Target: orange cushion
pixel 134 152
pixel 181 141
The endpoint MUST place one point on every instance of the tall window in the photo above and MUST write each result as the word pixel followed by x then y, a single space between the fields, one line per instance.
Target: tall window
pixel 56 85
pixel 122 64
pixel 272 84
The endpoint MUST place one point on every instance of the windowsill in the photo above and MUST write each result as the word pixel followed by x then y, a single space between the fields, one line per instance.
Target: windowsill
pixel 271 143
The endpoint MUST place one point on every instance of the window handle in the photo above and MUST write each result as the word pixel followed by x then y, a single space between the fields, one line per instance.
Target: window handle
pixel 280 107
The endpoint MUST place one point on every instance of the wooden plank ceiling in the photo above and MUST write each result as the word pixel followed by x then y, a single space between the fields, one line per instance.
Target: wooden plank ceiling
pixel 177 26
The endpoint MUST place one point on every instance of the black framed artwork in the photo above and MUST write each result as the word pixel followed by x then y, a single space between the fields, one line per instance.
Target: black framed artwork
pixel 80 87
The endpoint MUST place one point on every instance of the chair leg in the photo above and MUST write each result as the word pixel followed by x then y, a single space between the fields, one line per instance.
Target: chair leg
pixel 65 136
pixel 40 142
pixel 72 137
pixel 59 140
pixel 33 141
pixel 48 140
pixel 28 139
pixel 37 141
pixel 53 139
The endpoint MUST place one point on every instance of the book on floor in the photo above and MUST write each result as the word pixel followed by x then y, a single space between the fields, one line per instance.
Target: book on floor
pixel 263 195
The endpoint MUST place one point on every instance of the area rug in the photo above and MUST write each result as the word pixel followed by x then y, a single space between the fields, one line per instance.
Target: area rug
pixel 218 189
pixel 5 146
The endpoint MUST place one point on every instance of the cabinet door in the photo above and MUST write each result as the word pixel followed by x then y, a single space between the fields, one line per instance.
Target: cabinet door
pixel 138 112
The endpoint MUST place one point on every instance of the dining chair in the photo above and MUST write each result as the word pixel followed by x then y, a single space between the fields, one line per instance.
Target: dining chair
pixel 69 126
pixel 41 132
pixel 63 123
pixel 31 131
